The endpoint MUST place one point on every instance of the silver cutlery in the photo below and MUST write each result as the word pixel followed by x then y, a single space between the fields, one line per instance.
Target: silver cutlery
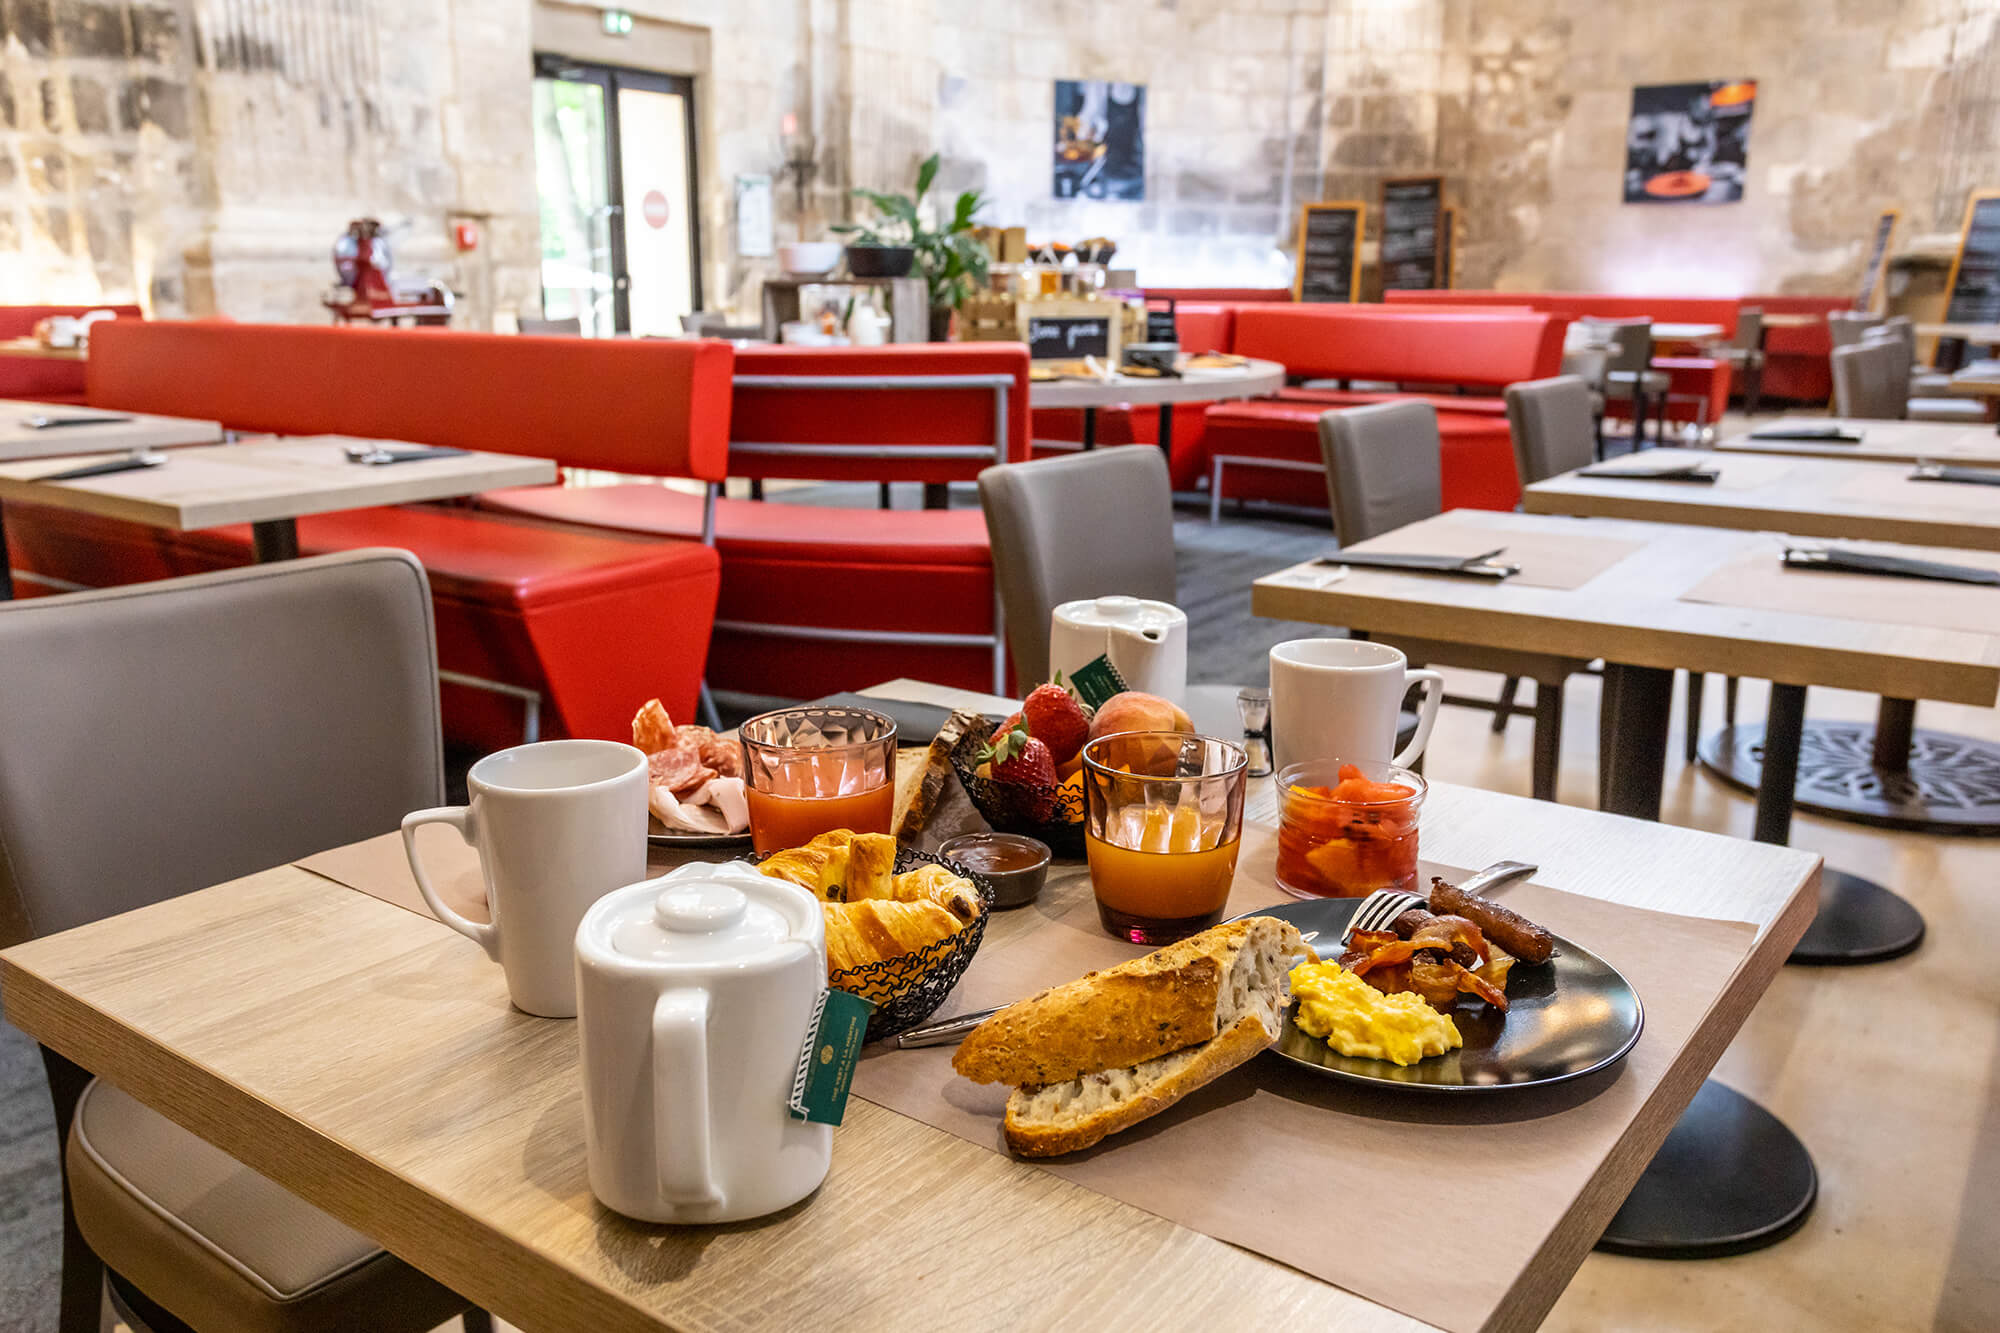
pixel 43 422
pixel 376 455
pixel 135 462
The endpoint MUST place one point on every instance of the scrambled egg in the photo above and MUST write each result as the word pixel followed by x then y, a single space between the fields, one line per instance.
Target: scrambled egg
pixel 1356 1019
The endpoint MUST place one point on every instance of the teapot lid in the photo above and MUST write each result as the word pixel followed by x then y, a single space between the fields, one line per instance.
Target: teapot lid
pixel 1125 612
pixel 703 915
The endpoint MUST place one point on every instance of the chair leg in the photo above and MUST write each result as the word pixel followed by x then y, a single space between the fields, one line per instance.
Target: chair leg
pixel 1503 707
pixel 1753 389
pixel 882 488
pixel 1548 738
pixel 477 1320
pixel 1638 419
pixel 1691 739
pixel 1729 701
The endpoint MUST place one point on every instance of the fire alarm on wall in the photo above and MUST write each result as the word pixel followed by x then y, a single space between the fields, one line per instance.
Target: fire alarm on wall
pixel 466 234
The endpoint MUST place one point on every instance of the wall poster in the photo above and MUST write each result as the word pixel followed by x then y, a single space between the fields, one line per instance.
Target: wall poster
pixel 1100 140
pixel 1689 143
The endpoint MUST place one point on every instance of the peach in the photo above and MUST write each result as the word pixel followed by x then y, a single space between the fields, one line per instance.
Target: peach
pixel 1134 711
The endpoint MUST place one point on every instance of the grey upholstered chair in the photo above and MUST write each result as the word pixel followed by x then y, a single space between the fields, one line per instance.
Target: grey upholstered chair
pixel 1383 471
pixel 1629 373
pixel 1866 378
pixel 1926 395
pixel 1090 524
pixel 1848 326
pixel 1552 427
pixel 159 738
pixel 557 328
pixel 1745 355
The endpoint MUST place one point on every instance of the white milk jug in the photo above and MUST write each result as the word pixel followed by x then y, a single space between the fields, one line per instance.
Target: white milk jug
pixel 694 993
pixel 1146 641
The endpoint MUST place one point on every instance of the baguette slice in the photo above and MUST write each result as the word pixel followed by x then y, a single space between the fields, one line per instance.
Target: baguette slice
pixel 1047 1122
pixel 1173 998
pixel 921 776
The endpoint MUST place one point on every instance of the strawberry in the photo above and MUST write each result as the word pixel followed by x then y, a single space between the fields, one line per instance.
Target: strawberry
pixel 1019 759
pixel 1057 718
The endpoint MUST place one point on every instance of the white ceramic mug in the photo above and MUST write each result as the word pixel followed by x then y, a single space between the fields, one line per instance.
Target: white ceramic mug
pixel 1341 699
pixel 558 825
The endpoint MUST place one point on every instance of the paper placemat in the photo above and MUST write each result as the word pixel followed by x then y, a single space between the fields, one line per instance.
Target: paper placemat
pixel 1761 582
pixel 1560 560
pixel 1339 1181
pixel 1738 472
pixel 1891 486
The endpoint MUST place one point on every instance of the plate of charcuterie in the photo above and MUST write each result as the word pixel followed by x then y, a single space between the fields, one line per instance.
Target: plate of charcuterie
pixel 694 783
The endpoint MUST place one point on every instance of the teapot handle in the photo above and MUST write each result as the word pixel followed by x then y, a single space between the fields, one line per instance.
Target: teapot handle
pixel 680 1098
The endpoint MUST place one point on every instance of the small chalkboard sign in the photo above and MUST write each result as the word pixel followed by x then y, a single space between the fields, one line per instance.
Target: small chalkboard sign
pixel 1878 260
pixel 1973 293
pixel 1069 337
pixel 1410 249
pixel 1329 264
pixel 1448 248
pixel 1160 327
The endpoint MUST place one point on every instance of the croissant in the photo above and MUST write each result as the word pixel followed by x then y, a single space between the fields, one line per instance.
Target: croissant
pixel 933 883
pixel 839 866
pixel 868 932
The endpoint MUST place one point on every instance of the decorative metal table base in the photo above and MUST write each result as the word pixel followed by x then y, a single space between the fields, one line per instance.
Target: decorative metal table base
pixel 1952 784
pixel 1729 1179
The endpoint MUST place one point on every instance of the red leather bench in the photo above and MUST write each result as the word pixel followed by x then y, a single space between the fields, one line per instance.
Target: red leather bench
pixel 592 622
pixel 1268 449
pixel 45 379
pixel 1798 362
pixel 817 598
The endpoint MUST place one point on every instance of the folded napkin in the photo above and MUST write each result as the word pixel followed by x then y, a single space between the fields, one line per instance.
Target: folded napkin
pixel 1969 476
pixel 1695 473
pixel 1890 566
pixel 1816 434
pixel 1463 566
pixel 717 806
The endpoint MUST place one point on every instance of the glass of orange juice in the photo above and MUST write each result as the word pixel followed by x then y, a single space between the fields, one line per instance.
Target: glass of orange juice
pixel 811 770
pixel 1163 820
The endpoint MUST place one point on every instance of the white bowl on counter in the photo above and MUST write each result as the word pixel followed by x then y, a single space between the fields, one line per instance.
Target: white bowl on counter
pixel 809 258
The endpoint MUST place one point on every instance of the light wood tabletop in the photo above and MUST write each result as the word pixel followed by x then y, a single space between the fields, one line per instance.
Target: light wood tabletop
pixel 1685 333
pixel 1977 384
pixel 76 429
pixel 1193 386
pixel 1637 611
pixel 1808 497
pixel 41 351
pixel 1881 441
pixel 365 1057
pixel 1977 333
pixel 1776 320
pixel 264 480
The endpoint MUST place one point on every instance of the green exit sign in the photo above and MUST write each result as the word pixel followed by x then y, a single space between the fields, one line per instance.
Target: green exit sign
pixel 617 23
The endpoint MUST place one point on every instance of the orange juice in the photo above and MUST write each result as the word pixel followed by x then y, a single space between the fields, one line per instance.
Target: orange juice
pixel 778 822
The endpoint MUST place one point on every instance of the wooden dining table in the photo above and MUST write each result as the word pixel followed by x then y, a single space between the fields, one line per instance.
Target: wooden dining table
pixel 365 1057
pixel 1253 379
pixel 1906 442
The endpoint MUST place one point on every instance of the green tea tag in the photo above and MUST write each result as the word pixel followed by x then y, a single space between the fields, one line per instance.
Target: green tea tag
pixel 1096 681
pixel 826 1063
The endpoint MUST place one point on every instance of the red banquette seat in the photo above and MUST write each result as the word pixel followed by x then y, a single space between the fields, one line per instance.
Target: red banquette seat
pixel 815 597
pixel 42 379
pixel 586 624
pixel 1798 362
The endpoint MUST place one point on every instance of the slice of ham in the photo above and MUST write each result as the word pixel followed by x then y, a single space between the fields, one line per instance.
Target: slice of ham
pixel 717 807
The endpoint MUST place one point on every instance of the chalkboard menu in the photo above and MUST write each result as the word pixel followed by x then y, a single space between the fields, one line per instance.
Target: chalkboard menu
pixel 1070 337
pixel 1878 260
pixel 1329 267
pixel 1973 295
pixel 1448 247
pixel 1410 249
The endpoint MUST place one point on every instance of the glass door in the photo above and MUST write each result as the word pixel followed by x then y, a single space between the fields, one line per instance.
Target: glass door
pixel 614 166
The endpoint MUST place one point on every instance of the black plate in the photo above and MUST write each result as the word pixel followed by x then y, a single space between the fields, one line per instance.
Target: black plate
pixel 659 835
pixel 1572 1016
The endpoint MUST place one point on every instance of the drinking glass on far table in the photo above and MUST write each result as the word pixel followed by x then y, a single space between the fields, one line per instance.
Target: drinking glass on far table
pixel 1163 821
pixel 811 770
pixel 1347 829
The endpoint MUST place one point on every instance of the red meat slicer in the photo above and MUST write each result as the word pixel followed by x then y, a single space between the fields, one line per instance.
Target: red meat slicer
pixel 369 291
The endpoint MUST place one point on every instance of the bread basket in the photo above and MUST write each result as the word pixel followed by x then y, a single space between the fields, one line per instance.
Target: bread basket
pixel 1052 814
pixel 908 989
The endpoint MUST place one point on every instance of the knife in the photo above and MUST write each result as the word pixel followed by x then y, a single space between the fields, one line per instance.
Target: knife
pixel 50 423
pixel 135 463
pixel 950 1031
pixel 1817 434
pixel 378 456
pixel 1481 566
pixel 1891 566
pixel 1975 476
pixel 1694 472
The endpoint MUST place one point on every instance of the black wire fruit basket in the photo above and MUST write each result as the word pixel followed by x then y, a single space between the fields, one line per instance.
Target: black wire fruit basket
pixel 907 989
pixel 1052 814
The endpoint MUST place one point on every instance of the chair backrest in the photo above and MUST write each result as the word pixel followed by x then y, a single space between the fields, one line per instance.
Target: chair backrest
pixel 1847 326
pixel 552 328
pixel 161 737
pixel 910 412
pixel 1749 329
pixel 1384 467
pixel 652 406
pixel 1631 341
pixel 1865 381
pixel 1552 427
pixel 1093 524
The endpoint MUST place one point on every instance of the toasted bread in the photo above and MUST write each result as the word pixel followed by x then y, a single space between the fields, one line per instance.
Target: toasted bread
pixel 1173 998
pixel 1046 1122
pixel 921 776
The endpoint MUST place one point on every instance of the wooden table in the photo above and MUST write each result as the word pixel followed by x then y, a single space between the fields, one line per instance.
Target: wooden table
pixel 1808 497
pixel 1972 333
pixel 41 351
pixel 268 483
pixel 366 1058
pixel 1193 386
pixel 1685 333
pixel 1976 384
pixel 1881 442
pixel 1774 320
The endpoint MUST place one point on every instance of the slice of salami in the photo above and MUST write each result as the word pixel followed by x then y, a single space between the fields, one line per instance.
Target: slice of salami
pixel 725 757
pixel 675 768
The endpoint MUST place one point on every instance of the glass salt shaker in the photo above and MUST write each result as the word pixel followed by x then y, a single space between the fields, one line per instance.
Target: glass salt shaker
pixel 1253 705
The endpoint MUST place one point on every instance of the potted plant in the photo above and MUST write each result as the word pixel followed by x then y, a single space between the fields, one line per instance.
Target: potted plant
pixel 951 260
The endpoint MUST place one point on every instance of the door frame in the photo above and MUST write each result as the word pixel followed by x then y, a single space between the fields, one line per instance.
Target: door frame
pixel 612 78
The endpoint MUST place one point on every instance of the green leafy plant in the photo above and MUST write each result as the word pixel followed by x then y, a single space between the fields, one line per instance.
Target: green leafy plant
pixel 951 259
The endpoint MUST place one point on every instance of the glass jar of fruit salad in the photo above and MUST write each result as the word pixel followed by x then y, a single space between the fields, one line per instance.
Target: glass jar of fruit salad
pixel 1347 829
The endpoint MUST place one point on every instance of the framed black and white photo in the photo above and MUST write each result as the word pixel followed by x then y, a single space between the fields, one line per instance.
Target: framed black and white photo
pixel 1689 143
pixel 1100 140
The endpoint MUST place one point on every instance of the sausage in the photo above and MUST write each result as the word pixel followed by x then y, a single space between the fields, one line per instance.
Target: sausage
pixel 1506 928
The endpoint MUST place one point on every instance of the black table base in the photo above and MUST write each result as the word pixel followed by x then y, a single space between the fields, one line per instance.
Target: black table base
pixel 275 539
pixel 1859 921
pixel 1948 783
pixel 1729 1179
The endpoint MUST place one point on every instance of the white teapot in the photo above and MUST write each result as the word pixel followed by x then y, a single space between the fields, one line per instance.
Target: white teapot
pixel 1146 641
pixel 694 992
